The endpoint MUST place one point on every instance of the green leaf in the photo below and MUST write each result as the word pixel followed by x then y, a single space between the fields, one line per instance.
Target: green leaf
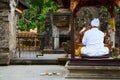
pixel 116 9
pixel 104 8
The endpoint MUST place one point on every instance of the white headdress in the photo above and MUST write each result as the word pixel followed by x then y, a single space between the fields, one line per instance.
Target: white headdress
pixel 95 22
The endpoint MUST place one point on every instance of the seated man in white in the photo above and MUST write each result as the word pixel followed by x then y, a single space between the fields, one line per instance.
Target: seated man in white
pixel 93 40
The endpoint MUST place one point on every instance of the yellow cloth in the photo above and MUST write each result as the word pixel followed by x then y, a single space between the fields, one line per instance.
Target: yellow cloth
pixel 78 49
pixel 115 57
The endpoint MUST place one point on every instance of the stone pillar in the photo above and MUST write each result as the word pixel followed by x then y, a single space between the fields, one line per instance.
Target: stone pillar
pixel 113 38
pixel 112 35
pixel 12 28
pixel 4 33
pixel 7 30
pixel 55 35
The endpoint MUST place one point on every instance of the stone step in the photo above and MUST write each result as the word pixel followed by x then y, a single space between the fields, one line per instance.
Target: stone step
pixel 57 51
pixel 45 59
pixel 4 58
pixel 93 72
pixel 33 61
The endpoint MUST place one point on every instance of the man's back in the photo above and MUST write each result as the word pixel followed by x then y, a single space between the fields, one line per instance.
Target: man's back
pixel 93 41
pixel 93 38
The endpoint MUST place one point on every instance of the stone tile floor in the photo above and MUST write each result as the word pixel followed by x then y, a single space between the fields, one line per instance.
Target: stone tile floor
pixel 33 72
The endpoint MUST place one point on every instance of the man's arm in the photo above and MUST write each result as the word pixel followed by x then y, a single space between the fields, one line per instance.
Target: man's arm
pixel 84 40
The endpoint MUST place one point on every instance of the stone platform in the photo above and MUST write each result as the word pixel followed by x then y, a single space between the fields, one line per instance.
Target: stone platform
pixel 51 59
pixel 93 71
pixel 4 58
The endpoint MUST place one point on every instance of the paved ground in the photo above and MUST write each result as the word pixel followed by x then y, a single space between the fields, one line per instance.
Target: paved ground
pixel 34 72
pixel 31 72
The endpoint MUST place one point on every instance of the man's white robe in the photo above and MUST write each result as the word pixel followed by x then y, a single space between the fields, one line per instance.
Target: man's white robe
pixel 93 41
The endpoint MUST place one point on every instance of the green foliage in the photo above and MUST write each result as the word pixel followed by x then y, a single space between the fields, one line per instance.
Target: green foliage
pixel 35 16
pixel 104 8
pixel 116 10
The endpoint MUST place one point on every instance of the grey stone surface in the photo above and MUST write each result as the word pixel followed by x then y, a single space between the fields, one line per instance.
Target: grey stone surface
pixel 4 58
pixel 7 29
pixel 33 72
pixel 93 72
pixel 4 29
